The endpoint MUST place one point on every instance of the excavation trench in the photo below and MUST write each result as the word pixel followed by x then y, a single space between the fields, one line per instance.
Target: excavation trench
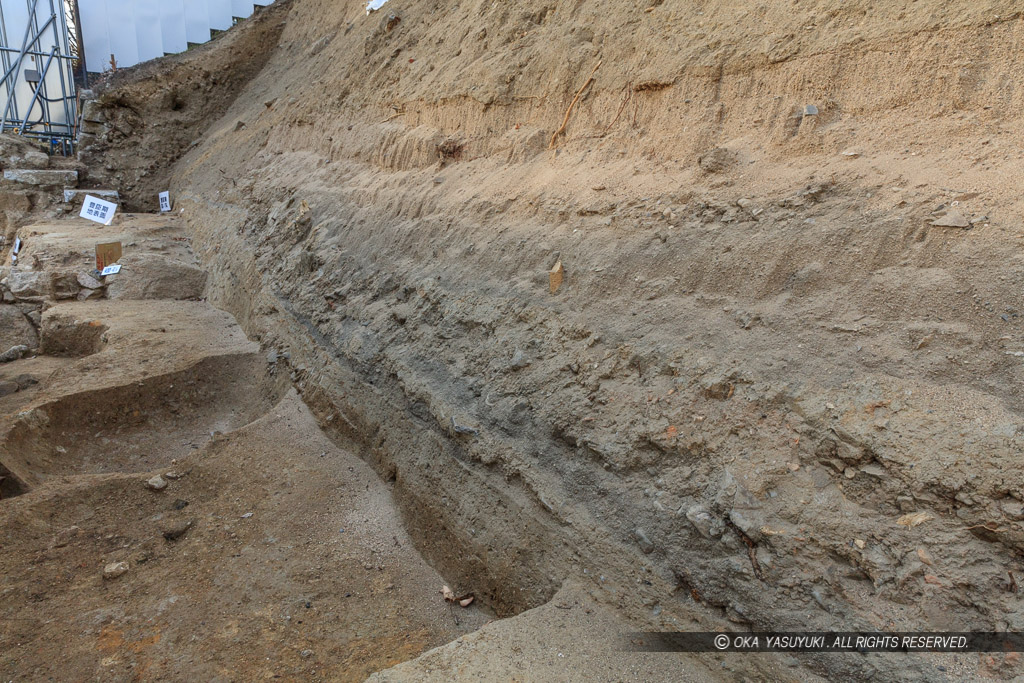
pixel 162 419
pixel 445 505
pixel 482 527
pixel 720 351
pixel 141 426
pixel 267 502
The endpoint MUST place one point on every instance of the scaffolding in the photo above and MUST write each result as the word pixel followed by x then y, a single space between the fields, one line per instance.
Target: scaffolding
pixel 39 57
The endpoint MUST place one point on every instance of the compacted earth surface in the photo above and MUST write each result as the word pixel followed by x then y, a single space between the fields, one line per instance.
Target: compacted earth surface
pixel 614 316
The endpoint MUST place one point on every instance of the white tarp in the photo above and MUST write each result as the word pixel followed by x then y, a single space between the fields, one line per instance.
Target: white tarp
pixel 123 31
pixel 197 21
pixel 95 34
pixel 242 8
pixel 137 30
pixel 149 34
pixel 172 25
pixel 220 14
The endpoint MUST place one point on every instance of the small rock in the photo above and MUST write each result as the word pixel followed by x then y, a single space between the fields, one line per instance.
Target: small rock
pixel 88 281
pixel 16 329
pixel 247 515
pixel 13 353
pixel 810 110
pixel 1013 509
pixel 157 483
pixel 176 531
pixel 519 360
pixel 914 519
pixel 114 570
pixel 704 521
pixel 36 159
pixel 643 540
pixel 64 537
pixel 306 654
pixel 859 543
pixel 462 429
pixel 952 219
pixel 874 471
pixel 749 206
pixel 86 294
pixel 716 160
pixel 272 356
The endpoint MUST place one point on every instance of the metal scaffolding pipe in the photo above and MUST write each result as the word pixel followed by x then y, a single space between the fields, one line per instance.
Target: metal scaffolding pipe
pixel 21 57
pixel 53 87
pixel 35 93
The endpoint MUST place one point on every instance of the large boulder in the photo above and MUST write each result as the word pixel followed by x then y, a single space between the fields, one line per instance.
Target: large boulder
pixel 149 276
pixel 15 329
pixel 42 178
pixel 29 285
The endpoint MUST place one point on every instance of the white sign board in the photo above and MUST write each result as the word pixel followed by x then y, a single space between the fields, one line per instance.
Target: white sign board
pixel 165 202
pixel 111 270
pixel 95 209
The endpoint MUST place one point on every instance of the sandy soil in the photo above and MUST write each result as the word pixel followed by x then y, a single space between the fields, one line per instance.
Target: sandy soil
pixel 777 387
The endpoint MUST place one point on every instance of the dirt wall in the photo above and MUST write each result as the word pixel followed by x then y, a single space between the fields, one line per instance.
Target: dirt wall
pixel 777 388
pixel 137 122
